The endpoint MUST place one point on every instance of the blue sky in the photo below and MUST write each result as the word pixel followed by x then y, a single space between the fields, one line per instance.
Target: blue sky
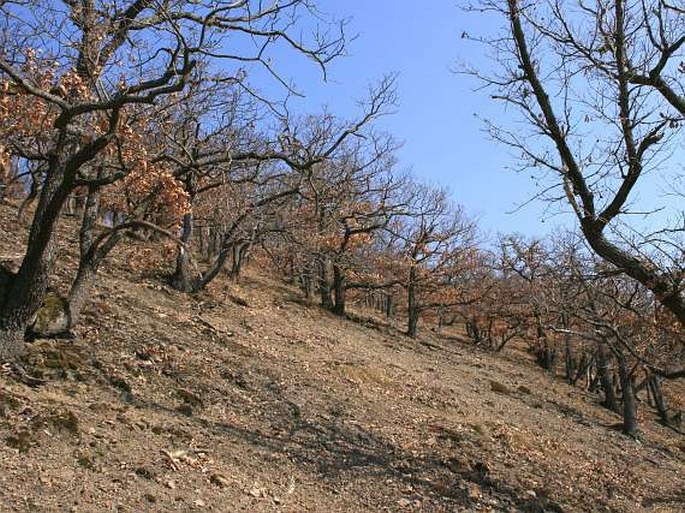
pixel 439 110
pixel 443 141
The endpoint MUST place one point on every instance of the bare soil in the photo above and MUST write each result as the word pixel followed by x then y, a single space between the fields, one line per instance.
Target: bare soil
pixel 247 398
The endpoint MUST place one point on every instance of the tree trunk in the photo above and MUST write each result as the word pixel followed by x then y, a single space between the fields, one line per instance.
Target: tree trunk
pixel 389 306
pixel 441 321
pixel 412 304
pixel 654 384
pixel 610 400
pixel 213 242
pixel 546 355
pixel 581 369
pixel 324 284
pixel 91 256
pixel 79 291
pixel 240 251
pixel 306 281
pixel 628 395
pixel 202 280
pixel 25 290
pixel 183 278
pixel 570 362
pixel 213 271
pixel 339 291
pixel 472 331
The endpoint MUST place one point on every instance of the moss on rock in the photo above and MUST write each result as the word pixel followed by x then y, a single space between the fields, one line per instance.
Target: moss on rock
pixel 52 318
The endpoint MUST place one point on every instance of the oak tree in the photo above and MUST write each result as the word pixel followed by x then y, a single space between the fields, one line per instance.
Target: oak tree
pixel 598 86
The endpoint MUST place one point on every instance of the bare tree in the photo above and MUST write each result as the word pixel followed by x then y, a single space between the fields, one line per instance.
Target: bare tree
pixel 70 107
pixel 291 163
pixel 429 242
pixel 619 331
pixel 597 85
pixel 348 199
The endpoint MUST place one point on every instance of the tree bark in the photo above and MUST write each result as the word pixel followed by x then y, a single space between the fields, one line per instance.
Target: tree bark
pixel 184 279
pixel 306 281
pixel 571 364
pixel 654 384
pixel 92 254
pixel 324 284
pixel 25 290
pixel 79 291
pixel 412 304
pixel 630 427
pixel 12 345
pixel 339 291
pixel 389 306
pixel 240 252
pixel 610 400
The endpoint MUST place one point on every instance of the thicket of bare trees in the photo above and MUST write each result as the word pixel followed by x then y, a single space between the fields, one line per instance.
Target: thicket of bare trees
pixel 84 85
pixel 598 91
pixel 140 117
pixel 599 87
pixel 597 326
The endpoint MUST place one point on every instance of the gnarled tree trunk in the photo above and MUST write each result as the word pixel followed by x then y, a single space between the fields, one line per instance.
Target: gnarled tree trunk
pixel 24 291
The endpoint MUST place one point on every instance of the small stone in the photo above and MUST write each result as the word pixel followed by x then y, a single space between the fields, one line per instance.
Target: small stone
pixel 219 480
pixel 499 388
pixel 257 492
pixel 171 485
pixel 185 409
pixel 475 493
pixel 190 398
pixel 144 473
pixel 200 503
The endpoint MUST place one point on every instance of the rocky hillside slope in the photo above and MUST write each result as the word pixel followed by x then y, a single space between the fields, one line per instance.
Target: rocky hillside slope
pixel 247 398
